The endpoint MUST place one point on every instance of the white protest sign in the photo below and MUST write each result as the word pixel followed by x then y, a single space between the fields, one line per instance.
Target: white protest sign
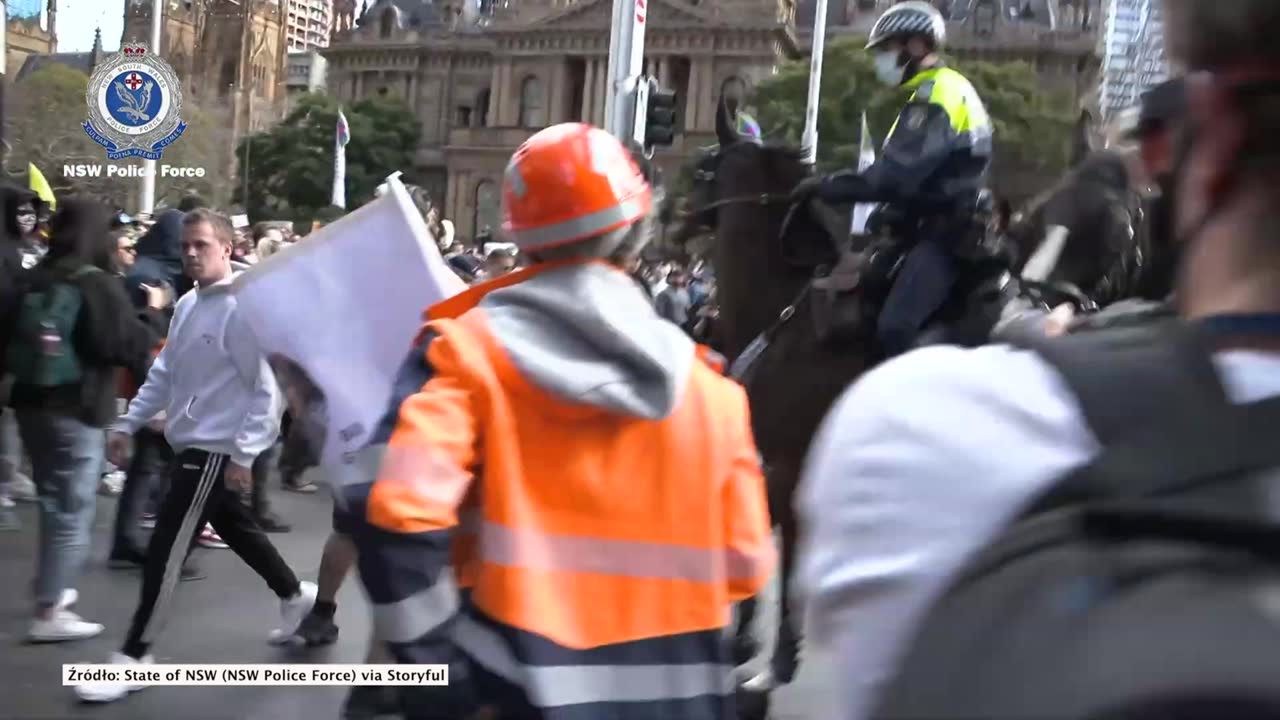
pixel 344 305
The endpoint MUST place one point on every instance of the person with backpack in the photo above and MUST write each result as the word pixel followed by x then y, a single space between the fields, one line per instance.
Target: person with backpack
pixel 70 330
pixel 1083 528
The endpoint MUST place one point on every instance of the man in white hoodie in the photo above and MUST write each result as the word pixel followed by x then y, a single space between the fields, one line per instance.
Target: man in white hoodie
pixel 222 408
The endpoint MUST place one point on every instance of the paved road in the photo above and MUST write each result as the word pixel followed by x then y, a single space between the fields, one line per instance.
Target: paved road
pixel 222 619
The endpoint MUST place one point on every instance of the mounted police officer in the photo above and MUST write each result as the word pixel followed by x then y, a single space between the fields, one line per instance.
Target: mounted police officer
pixel 931 170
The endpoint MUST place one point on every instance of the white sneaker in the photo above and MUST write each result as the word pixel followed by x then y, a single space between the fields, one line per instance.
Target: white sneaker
pixel 209 538
pixel 22 488
pixel 6 502
pixel 64 625
pixel 110 692
pixel 111 484
pixel 68 598
pixel 292 611
pixel 764 681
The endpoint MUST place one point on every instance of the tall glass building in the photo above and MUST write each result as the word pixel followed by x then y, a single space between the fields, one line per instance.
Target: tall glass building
pixel 1132 53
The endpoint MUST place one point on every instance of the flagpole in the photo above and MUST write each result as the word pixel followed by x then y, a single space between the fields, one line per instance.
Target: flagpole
pixel 866 157
pixel 338 197
pixel 4 51
pixel 148 200
pixel 809 139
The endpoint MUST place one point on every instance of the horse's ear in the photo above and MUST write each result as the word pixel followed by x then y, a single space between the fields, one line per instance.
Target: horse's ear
pixel 725 131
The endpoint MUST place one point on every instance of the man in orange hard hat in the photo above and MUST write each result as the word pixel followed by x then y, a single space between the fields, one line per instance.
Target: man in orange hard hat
pixel 569 500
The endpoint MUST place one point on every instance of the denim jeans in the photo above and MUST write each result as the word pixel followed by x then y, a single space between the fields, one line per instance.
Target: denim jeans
pixel 259 500
pixel 66 455
pixel 146 474
pixel 10 450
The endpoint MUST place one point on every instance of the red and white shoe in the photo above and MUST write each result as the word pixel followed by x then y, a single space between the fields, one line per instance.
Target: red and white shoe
pixel 210 539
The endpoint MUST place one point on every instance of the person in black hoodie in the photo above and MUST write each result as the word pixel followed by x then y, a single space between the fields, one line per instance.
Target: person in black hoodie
pixel 159 260
pixel 64 404
pixel 12 233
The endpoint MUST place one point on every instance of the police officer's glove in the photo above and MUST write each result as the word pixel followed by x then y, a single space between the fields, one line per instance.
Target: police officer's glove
pixel 806 190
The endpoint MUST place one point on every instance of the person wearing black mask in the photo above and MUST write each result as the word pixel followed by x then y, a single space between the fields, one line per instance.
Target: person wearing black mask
pixel 17 222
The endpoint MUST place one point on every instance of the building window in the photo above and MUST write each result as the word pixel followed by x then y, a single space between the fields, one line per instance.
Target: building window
pixel 486 215
pixel 531 106
pixel 462 116
pixel 482 108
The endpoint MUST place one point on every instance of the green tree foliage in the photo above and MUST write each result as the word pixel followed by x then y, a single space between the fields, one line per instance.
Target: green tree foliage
pixel 1031 125
pixel 290 167
pixel 206 143
pixel 43 126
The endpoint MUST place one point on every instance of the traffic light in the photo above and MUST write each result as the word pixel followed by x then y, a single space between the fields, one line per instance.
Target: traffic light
pixel 660 116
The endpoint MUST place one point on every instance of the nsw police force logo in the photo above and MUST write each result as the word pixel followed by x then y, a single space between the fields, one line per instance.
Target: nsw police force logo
pixel 134 100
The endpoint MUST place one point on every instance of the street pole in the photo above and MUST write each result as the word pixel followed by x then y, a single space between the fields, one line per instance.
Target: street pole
pixel 4 52
pixel 626 62
pixel 248 146
pixel 809 138
pixel 148 203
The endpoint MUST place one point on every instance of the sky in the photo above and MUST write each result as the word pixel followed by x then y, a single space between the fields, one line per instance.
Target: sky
pixel 77 20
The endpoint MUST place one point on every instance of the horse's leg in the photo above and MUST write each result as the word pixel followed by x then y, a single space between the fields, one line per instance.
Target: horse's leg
pixel 745 644
pixel 785 657
pixel 786 650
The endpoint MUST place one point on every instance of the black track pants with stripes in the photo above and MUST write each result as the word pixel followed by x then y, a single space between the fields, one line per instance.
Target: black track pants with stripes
pixel 198 494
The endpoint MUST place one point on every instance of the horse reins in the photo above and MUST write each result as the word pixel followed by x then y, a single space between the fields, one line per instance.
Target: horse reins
pixel 762 199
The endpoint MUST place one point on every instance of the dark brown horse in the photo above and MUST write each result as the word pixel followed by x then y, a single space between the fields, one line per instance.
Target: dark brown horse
pixel 741 192
pixel 1085 232
pixel 765 256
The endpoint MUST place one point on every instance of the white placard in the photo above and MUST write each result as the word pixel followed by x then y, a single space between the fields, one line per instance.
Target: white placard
pixel 239 221
pixel 344 306
pixel 267 674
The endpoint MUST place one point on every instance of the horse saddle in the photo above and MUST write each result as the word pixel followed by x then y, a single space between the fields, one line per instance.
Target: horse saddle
pixel 847 295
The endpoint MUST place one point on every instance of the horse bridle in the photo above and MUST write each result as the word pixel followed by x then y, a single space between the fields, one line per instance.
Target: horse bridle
pixel 761 199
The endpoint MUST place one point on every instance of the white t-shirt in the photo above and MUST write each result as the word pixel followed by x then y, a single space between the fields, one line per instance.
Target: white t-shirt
pixel 917 467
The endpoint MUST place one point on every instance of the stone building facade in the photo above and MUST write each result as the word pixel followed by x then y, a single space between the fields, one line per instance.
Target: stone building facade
pixel 220 58
pixel 24 38
pixel 482 84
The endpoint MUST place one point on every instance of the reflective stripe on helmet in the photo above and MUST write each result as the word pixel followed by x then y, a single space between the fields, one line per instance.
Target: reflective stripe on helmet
pixel 908 18
pixel 583 227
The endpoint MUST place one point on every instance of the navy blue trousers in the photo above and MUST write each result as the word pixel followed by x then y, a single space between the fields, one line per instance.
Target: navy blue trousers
pixel 928 275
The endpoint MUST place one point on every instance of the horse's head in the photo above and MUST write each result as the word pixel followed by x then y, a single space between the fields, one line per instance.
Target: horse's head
pixel 1083 232
pixel 698 209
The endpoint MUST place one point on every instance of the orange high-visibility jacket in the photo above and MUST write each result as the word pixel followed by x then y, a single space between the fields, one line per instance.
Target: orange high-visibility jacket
pixel 599 554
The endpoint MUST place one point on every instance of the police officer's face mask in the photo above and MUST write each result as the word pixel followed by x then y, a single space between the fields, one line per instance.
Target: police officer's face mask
pixel 889 68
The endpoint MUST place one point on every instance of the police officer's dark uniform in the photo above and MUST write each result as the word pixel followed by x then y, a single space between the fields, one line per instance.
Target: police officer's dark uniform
pixel 933 165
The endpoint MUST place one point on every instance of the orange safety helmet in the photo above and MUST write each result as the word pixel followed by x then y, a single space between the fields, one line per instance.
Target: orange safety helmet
pixel 571 182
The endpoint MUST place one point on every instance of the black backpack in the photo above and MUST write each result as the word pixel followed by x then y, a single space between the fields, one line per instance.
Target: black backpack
pixel 1144 585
